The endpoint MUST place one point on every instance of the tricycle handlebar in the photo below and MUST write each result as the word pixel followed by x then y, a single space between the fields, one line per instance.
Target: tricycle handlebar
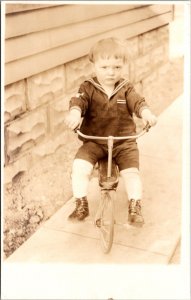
pixel 92 137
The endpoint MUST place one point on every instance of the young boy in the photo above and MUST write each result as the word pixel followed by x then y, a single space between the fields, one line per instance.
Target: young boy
pixel 107 103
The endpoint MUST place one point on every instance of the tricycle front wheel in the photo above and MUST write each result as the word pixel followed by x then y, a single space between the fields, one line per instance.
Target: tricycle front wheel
pixel 106 221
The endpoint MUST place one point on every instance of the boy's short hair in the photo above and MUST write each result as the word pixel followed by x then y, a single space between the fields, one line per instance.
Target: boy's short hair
pixel 106 48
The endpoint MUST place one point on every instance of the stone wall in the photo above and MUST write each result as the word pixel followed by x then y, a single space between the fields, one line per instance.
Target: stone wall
pixel 35 105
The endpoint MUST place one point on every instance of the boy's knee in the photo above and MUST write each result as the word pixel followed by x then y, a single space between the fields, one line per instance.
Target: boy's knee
pixel 130 172
pixel 81 166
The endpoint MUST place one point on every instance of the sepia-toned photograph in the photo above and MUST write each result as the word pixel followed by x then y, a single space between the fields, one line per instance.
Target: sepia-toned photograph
pixel 95 150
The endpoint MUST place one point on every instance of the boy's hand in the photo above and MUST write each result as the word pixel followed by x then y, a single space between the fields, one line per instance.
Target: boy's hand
pixel 147 116
pixel 72 120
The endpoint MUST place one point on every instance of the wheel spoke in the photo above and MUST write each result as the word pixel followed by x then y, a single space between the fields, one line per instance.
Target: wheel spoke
pixel 104 229
pixel 107 221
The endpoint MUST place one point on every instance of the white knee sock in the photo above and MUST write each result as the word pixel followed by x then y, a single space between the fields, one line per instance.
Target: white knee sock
pixel 133 184
pixel 81 171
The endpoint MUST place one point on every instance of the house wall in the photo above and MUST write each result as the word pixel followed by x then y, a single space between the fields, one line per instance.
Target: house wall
pixel 46 49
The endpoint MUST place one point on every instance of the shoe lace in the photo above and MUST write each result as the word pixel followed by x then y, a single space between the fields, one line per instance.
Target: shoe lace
pixel 138 207
pixel 77 205
pixel 132 206
pixel 83 206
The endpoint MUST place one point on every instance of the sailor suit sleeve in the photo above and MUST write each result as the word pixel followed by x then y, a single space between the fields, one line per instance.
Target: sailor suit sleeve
pixel 135 102
pixel 81 100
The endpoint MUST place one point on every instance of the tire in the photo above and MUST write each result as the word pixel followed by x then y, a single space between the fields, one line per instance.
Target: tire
pixel 106 221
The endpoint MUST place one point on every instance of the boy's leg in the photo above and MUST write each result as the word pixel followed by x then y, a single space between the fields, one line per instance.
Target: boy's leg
pixel 81 171
pixel 133 186
pixel 127 158
pixel 83 164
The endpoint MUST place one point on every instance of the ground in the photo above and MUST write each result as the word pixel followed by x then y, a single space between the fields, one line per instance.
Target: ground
pixel 35 196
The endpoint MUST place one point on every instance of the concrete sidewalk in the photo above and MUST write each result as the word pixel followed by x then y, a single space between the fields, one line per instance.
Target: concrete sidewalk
pixel 60 241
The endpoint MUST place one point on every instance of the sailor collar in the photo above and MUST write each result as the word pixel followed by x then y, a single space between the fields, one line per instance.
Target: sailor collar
pixel 118 85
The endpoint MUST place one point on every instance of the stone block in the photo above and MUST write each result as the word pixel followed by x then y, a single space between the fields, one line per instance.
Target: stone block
pixel 138 87
pixel 132 71
pixel 163 34
pixel 166 51
pixel 147 41
pixel 126 71
pixel 50 146
pixel 150 86
pixel 158 56
pixel 133 47
pixel 19 166
pixel 15 100
pixel 142 67
pixel 45 87
pixel 24 133
pixel 58 111
pixel 77 71
pixel 163 70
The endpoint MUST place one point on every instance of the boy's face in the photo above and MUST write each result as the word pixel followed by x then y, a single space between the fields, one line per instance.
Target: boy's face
pixel 108 70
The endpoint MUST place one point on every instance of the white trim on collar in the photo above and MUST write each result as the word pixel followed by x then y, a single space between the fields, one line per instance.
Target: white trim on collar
pixel 99 87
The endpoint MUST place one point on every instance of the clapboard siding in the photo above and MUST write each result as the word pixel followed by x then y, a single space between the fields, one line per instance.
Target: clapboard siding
pixel 39 46
pixel 51 17
pixel 45 40
pixel 26 67
pixel 13 8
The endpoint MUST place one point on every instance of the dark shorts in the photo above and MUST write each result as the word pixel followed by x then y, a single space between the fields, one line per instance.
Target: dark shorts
pixel 126 154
